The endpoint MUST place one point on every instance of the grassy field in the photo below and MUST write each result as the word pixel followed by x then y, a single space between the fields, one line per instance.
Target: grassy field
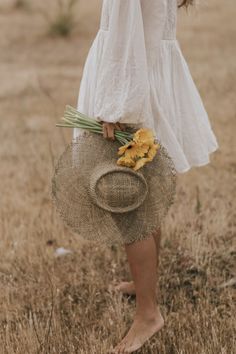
pixel 61 305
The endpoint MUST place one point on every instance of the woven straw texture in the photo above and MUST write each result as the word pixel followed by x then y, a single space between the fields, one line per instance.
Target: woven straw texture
pixel 107 203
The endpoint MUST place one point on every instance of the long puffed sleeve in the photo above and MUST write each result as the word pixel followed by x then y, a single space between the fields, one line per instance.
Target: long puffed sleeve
pixel 122 88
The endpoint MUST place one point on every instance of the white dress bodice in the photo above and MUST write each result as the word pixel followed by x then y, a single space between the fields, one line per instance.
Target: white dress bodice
pixel 171 20
pixel 148 10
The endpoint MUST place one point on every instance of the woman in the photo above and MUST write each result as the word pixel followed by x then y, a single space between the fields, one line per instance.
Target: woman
pixel 135 74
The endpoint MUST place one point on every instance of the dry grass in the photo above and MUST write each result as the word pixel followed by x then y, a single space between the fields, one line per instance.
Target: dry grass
pixel 21 4
pixel 61 305
pixel 61 21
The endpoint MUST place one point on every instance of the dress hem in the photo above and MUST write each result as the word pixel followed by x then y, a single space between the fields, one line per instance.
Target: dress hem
pixel 206 162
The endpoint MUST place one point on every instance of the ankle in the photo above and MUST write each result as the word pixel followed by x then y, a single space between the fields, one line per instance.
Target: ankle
pixel 151 313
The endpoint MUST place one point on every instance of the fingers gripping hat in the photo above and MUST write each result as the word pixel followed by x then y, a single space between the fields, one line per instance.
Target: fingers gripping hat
pixel 107 203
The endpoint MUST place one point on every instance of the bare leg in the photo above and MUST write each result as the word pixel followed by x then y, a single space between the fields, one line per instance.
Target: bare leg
pixel 128 287
pixel 157 239
pixel 148 320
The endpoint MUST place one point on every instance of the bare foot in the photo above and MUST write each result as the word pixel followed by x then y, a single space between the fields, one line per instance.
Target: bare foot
pixel 126 287
pixel 141 330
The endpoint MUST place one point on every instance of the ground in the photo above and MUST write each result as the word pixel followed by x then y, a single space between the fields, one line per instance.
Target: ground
pixel 58 305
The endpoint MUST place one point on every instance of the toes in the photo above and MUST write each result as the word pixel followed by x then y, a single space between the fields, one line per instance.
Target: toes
pixel 120 349
pixel 133 348
pixel 116 350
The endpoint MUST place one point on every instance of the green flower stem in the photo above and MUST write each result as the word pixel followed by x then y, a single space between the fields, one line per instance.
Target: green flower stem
pixel 122 140
pixel 74 112
pixel 64 126
pixel 72 126
pixel 81 121
pixel 79 126
pixel 118 133
pixel 125 133
pixel 82 125
pixel 75 119
pixel 77 116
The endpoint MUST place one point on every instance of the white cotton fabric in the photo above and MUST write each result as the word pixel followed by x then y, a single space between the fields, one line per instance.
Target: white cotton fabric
pixel 135 73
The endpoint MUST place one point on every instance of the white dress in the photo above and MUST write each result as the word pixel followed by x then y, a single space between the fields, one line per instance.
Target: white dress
pixel 135 73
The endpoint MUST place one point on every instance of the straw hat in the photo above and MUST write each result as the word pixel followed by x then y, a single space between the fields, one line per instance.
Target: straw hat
pixel 107 203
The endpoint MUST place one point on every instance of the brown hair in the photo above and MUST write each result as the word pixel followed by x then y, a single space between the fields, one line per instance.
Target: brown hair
pixel 186 3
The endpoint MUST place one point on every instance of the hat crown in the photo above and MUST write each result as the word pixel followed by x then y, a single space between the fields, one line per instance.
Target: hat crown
pixel 117 189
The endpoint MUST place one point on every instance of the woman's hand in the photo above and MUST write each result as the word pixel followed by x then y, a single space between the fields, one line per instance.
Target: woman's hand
pixel 108 129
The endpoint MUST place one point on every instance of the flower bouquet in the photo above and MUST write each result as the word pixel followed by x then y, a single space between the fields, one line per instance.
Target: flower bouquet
pixel 137 148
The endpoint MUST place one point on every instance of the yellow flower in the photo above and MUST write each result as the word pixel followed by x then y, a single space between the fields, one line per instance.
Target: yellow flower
pixel 144 136
pixel 140 163
pixel 137 150
pixel 133 150
pixel 123 148
pixel 126 161
pixel 152 151
pixel 150 156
